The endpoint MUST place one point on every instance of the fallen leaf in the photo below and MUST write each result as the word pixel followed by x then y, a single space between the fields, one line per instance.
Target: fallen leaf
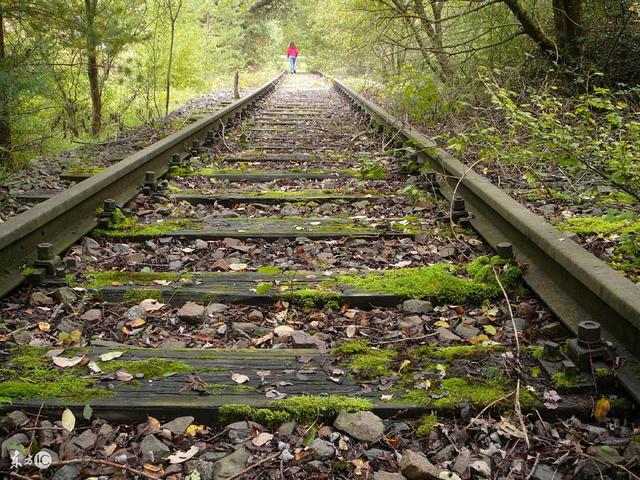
pixel 238 267
pixel 138 322
pixel 87 412
pixel 602 408
pixel 442 323
pixel 55 353
pixel 181 457
pixel 94 367
pixel 193 429
pixel 105 357
pixel 351 331
pixel 109 449
pixel 489 329
pixel 124 376
pixel 239 378
pixel 262 439
pixel 67 362
pixel 151 305
pixel 154 468
pixel 352 312
pixel 404 365
pixel 68 420
pixel 162 282
pixel 478 339
pixel 44 326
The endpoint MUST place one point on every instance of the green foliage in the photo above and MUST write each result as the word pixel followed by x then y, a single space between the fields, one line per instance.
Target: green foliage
pixel 309 298
pixel 304 409
pixel 427 424
pixel 622 228
pixel 138 295
pixel 438 282
pixel 29 374
pixel 595 131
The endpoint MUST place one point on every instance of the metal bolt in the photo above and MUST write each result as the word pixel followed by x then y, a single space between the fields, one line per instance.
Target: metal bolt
pixel 45 251
pixel 109 205
pixel 195 146
pixel 504 250
pixel 569 367
pixel 175 160
pixel 458 204
pixel 589 334
pixel 149 176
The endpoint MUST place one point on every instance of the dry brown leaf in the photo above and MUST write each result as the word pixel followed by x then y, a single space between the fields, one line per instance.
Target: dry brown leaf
pixel 239 378
pixel 602 409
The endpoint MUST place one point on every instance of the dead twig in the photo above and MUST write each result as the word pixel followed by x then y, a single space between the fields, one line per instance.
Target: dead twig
pixel 518 411
pixel 255 465
pixel 487 408
pixel 513 319
pixel 399 340
pixel 535 465
pixel 106 463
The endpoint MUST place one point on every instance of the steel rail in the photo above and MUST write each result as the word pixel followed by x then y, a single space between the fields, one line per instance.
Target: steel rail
pixel 575 284
pixel 65 218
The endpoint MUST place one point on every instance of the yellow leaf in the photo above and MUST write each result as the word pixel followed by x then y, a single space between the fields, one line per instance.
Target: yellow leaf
pixel 490 329
pixel 442 323
pixel 404 364
pixel 138 322
pixel 154 468
pixel 44 326
pixel 478 339
pixel 193 429
pixel 602 408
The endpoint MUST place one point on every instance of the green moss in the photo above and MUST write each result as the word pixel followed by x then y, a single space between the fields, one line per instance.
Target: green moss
pixel 29 374
pixel 605 225
pixel 565 381
pixel 603 372
pixel 268 270
pixel 375 172
pixel 427 424
pixel 105 279
pixel 138 295
pixel 436 282
pixel 81 171
pixel 25 272
pixel 476 393
pixel 120 225
pixel 304 409
pixel 364 361
pixel 351 347
pixel 152 368
pixel 536 352
pixel 264 287
pixel 309 298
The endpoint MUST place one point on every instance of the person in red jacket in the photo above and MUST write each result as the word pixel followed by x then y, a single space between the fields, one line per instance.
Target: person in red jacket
pixel 292 54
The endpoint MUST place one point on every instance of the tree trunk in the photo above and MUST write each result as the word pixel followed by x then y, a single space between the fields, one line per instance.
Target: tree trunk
pixel 567 17
pixel 434 32
pixel 236 87
pixel 91 7
pixel 168 84
pixel 5 118
pixel 533 30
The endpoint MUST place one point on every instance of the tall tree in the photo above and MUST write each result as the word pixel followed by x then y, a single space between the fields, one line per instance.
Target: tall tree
pixel 5 115
pixel 172 7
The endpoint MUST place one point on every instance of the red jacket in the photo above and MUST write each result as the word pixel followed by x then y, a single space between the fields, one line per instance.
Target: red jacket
pixel 292 52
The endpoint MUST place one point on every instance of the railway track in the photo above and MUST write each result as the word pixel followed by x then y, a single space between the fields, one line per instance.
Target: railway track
pixel 302 251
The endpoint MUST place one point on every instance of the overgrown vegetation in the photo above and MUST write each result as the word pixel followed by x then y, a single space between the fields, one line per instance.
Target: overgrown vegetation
pixel 439 282
pixel 305 409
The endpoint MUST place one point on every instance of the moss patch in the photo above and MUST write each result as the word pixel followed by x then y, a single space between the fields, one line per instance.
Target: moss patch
pixel 129 227
pixel 439 283
pixel 565 381
pixel 310 298
pixel 106 279
pixel 304 409
pixel 457 351
pixel 364 361
pixel 426 426
pixel 29 374
pixel 138 295
pixel 268 270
